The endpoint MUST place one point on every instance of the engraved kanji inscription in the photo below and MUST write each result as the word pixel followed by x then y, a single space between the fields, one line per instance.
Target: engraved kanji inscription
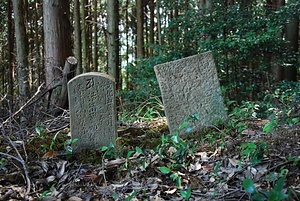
pixel 190 86
pixel 92 110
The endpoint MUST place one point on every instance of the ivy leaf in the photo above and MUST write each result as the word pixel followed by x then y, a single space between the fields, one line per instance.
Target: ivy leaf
pixel 186 194
pixel 270 126
pixel 164 170
pixel 249 186
pixel 138 150
pixel 129 154
pixel 183 125
pixel 104 148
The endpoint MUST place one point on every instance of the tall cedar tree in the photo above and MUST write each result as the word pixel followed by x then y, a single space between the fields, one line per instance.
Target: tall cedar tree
pixel 57 35
pixel 22 51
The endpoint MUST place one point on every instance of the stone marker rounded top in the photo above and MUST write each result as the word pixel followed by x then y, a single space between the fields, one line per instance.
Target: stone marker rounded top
pixel 94 74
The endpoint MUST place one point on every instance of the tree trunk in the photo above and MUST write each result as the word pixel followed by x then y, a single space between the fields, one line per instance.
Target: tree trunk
pixel 83 36
pixel 77 35
pixel 127 43
pixel 89 33
pixel 159 36
pixel 37 43
pixel 292 31
pixel 10 67
pixel 140 29
pixel 277 71
pixel 22 51
pixel 151 26
pixel 205 4
pixel 57 31
pixel 113 39
pixel 95 39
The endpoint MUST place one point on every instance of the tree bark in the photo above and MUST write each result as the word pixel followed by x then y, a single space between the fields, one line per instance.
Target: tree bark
pixel 10 66
pixel 57 31
pixel 113 40
pixel 83 36
pixel 159 35
pixel 292 31
pixel 37 43
pixel 22 51
pixel 77 35
pixel 95 39
pixel 277 71
pixel 140 29
pixel 151 35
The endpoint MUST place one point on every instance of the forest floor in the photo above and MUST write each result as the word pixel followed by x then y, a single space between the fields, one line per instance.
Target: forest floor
pixel 212 164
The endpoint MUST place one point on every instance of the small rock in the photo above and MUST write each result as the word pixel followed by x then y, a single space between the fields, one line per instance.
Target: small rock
pixel 74 198
pixel 50 198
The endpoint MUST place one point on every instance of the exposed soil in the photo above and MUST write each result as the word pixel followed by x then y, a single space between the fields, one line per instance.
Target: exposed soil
pixel 215 171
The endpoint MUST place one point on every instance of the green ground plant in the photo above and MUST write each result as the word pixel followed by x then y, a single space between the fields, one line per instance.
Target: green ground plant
pixel 254 152
pixel 275 194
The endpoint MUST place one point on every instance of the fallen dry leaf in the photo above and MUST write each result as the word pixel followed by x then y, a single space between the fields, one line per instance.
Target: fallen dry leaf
pixel 49 154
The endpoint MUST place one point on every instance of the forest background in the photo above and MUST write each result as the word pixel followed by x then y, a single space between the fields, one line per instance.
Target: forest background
pixel 255 43
pixel 256 51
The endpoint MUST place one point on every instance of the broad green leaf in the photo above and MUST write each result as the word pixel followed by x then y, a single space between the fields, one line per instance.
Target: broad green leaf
pixel 186 194
pixel 295 120
pixel 273 176
pixel 183 125
pixel 138 150
pixel 258 197
pixel 178 182
pixel 104 148
pixel 251 145
pixel 38 130
pixel 270 126
pixel 2 163
pixel 279 184
pixel 174 176
pixel 249 186
pixel 74 140
pixel 164 170
pixel 129 154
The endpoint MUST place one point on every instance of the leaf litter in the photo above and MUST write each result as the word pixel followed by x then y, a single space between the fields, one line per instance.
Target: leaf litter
pixel 213 171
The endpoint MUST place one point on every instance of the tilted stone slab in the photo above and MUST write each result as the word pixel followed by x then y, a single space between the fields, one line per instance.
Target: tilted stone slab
pixel 191 86
pixel 92 110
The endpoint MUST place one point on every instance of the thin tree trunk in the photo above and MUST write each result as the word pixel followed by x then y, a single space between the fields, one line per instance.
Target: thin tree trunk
pixel 159 35
pixel 127 43
pixel 10 67
pixel 89 33
pixel 292 31
pixel 113 40
pixel 77 35
pixel 277 71
pixel 83 36
pixel 95 39
pixel 37 40
pixel 140 29
pixel 151 26
pixel 22 51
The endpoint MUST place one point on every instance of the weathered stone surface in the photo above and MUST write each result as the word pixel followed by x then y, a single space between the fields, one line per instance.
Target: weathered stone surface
pixel 191 86
pixel 92 110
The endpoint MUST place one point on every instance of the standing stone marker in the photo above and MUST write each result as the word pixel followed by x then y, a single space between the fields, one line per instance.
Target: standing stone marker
pixel 191 86
pixel 92 110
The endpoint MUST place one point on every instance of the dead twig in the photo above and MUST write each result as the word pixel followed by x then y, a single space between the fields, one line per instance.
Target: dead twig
pixel 29 102
pixel 18 159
